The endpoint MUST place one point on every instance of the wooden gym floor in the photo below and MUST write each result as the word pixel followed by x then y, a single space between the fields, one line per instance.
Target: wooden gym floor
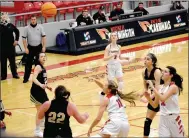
pixel 73 72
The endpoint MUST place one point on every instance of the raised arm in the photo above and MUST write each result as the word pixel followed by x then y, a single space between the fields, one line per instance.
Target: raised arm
pixel 154 103
pixel 43 35
pixel 100 84
pixel 171 91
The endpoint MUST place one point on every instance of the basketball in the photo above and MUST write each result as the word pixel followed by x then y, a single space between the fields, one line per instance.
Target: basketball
pixel 48 9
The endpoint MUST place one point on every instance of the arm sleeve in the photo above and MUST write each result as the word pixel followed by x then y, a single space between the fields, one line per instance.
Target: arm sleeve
pixel 42 32
pixel 17 32
pixel 25 35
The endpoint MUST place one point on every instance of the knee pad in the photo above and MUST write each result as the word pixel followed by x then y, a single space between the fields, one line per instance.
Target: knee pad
pixel 147 125
pixel 120 86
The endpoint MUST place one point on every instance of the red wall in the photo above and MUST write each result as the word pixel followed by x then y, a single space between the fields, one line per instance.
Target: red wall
pixel 18 6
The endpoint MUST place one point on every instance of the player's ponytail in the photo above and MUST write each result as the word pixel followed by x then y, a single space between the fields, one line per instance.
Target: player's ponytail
pixel 129 97
pixel 177 79
pixel 61 93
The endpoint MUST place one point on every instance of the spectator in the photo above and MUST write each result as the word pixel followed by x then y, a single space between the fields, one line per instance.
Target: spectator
pixel 100 16
pixel 176 6
pixel 84 18
pixel 116 12
pixel 141 8
pixel 8 43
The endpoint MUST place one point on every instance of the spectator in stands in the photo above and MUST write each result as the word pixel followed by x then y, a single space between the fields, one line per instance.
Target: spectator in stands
pixel 116 12
pixel 99 16
pixel 8 43
pixel 36 43
pixel 84 18
pixel 141 8
pixel 176 6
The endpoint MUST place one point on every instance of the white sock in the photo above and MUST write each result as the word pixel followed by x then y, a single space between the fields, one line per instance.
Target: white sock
pixel 37 128
pixel 120 86
pixel 42 123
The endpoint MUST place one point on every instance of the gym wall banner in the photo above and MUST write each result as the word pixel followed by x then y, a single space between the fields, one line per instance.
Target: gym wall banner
pixel 95 36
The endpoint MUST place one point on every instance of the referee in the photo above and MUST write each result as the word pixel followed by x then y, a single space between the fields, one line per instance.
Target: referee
pixel 36 43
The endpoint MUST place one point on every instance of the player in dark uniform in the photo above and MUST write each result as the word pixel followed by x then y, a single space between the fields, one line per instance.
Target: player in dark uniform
pixel 57 114
pixel 38 94
pixel 150 73
pixel 3 112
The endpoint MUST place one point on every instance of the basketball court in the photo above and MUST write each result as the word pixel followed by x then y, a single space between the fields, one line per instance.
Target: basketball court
pixel 73 72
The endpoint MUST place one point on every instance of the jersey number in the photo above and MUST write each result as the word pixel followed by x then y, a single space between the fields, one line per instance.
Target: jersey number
pixel 119 103
pixel 56 118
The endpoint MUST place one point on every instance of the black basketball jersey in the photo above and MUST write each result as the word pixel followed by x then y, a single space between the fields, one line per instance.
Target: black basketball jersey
pixel 57 122
pixel 151 76
pixel 42 77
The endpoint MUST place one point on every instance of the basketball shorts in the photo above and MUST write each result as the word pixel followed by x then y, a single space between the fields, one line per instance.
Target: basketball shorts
pixel 171 126
pixel 114 71
pixel 115 127
pixel 38 96
pixel 152 108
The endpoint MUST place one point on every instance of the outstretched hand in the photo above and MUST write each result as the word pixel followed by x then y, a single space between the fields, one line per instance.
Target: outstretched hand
pixel 49 88
pixel 147 95
pixel 8 113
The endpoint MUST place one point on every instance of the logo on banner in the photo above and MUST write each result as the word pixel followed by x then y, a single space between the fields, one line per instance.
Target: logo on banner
pixel 122 33
pixel 103 33
pixel 178 18
pixel 87 38
pixel 179 22
pixel 155 25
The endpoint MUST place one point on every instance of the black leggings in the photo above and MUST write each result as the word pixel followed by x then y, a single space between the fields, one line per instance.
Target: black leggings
pixel 33 52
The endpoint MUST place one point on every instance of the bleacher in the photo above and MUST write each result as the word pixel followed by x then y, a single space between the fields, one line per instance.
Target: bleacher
pixel 26 9
pixel 67 12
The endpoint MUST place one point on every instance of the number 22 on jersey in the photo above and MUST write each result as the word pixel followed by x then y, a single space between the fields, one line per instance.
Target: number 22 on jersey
pixel 56 118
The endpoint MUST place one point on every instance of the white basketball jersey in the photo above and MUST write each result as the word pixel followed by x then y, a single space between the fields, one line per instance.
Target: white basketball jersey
pixel 170 106
pixel 115 108
pixel 112 51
